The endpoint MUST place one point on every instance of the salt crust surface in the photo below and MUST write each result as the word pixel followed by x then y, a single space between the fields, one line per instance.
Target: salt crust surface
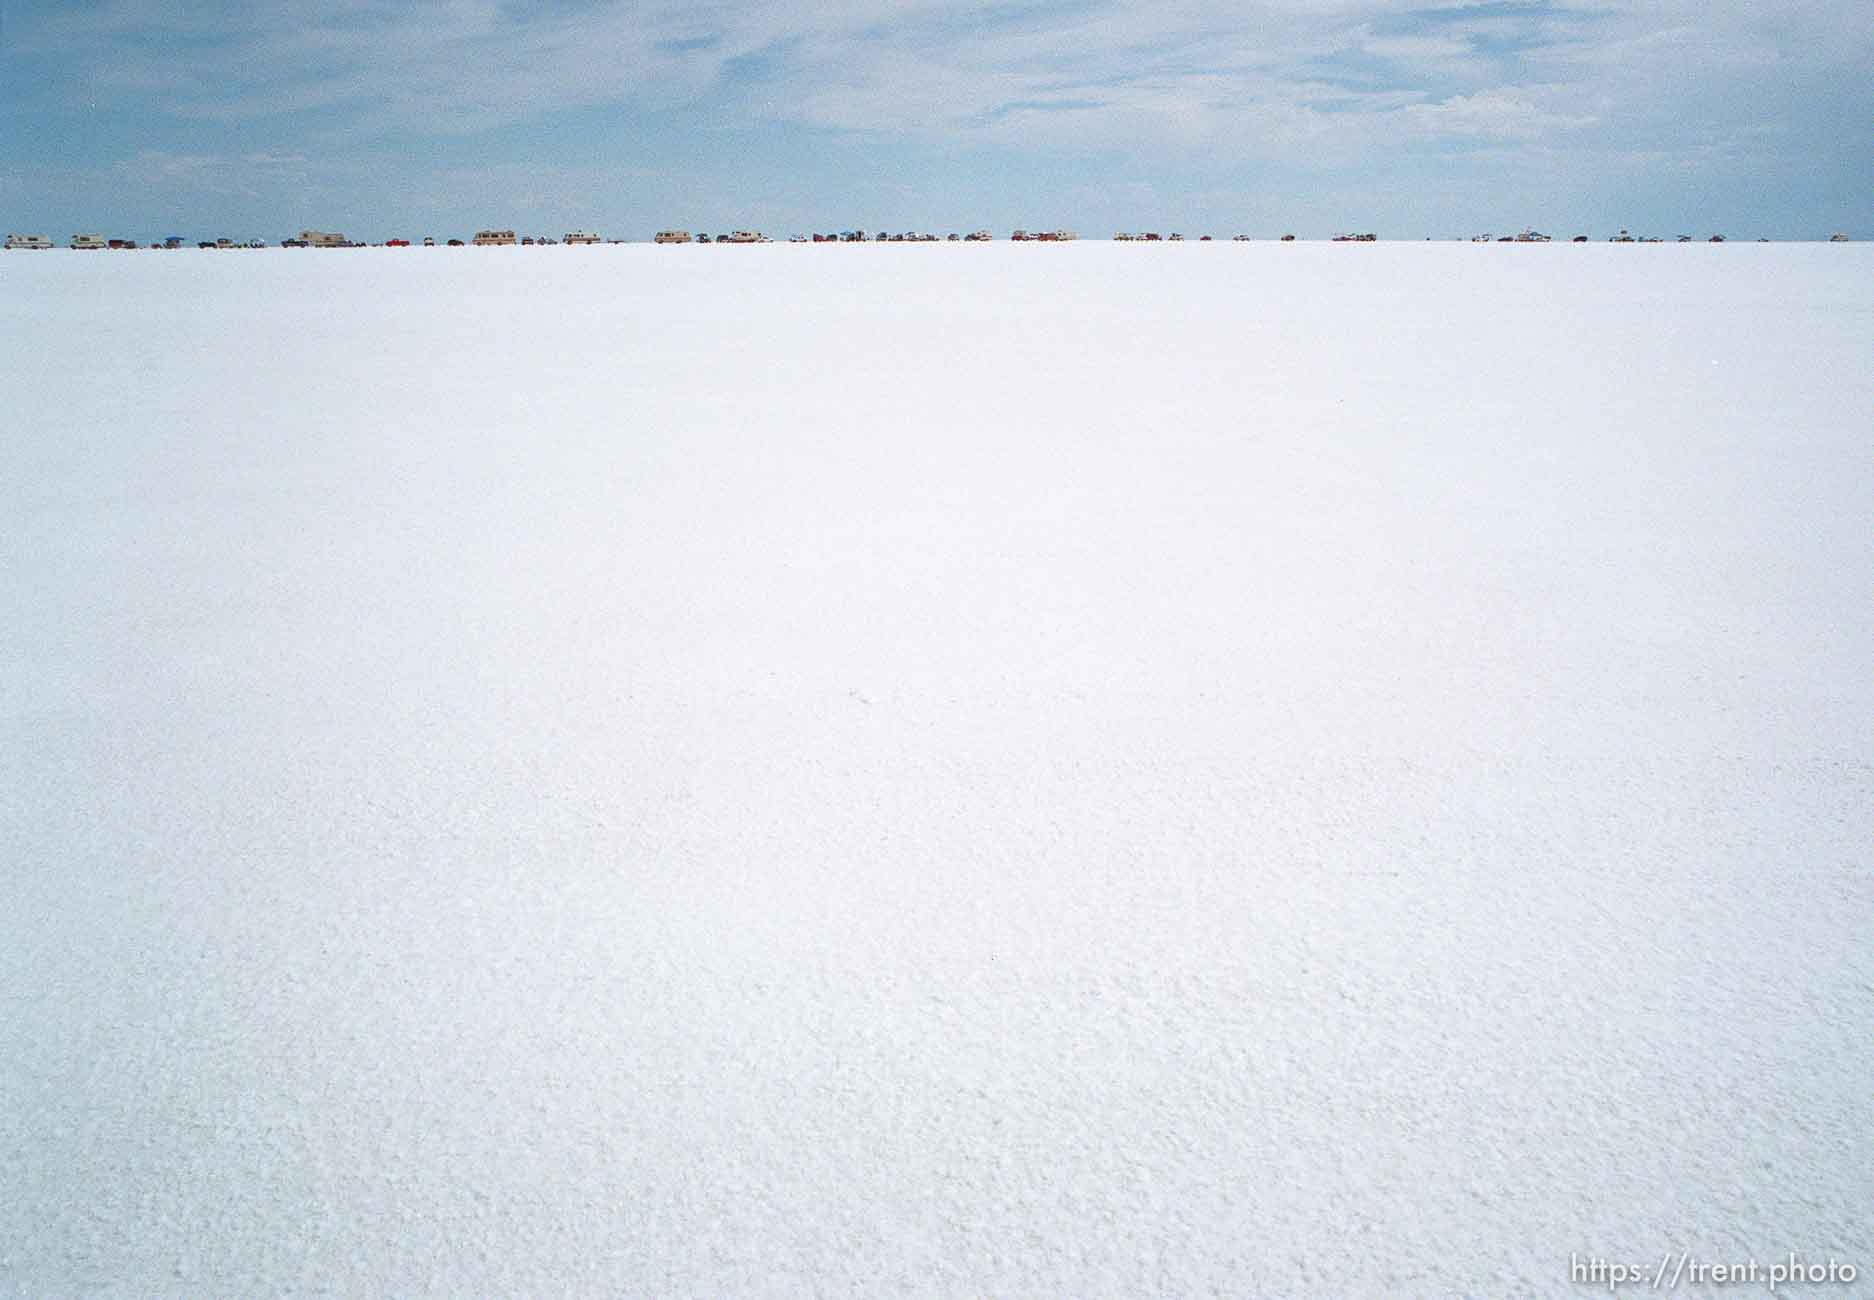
pixel 1077 770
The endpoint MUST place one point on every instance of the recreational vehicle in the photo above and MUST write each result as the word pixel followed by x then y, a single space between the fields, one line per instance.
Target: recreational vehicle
pixel 583 237
pixel 322 239
pixel 673 236
pixel 28 241
pixel 492 238
pixel 90 241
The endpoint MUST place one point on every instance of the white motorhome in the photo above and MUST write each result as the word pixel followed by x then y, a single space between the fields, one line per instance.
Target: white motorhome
pixel 493 238
pixel 673 236
pixel 28 241
pixel 744 237
pixel 323 239
pixel 583 237
pixel 90 241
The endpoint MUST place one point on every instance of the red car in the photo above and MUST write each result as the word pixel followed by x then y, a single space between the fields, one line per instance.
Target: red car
pixel 396 243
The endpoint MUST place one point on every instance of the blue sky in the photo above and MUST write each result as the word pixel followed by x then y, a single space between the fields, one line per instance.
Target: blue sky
pixel 209 117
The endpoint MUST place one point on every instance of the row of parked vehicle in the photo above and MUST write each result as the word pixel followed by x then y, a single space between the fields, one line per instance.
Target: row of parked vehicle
pixel 96 242
pixel 324 239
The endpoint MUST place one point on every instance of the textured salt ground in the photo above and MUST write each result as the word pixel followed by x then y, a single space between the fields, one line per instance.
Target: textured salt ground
pixel 1082 770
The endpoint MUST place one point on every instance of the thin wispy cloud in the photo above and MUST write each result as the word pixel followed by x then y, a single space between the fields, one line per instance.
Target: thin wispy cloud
pixel 1348 83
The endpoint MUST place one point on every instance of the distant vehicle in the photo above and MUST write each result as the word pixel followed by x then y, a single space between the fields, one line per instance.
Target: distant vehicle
pixel 429 241
pixel 582 237
pixel 1717 239
pixel 743 237
pixel 396 243
pixel 256 243
pixel 978 237
pixel 205 243
pixel 1623 238
pixel 494 238
pixel 703 239
pixel 123 243
pixel 1176 238
pixel 1368 239
pixel 1239 239
pixel 89 242
pixel 28 241
pixel 455 243
pixel 1579 239
pixel 1685 239
pixel 294 243
pixel 673 236
pixel 324 239
pixel 1838 237
pixel 1532 237
pixel 953 238
pixel 1288 239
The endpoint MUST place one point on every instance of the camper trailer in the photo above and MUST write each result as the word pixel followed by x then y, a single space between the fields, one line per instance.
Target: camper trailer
pixel 28 241
pixel 673 236
pixel 322 239
pixel 583 237
pixel 493 238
